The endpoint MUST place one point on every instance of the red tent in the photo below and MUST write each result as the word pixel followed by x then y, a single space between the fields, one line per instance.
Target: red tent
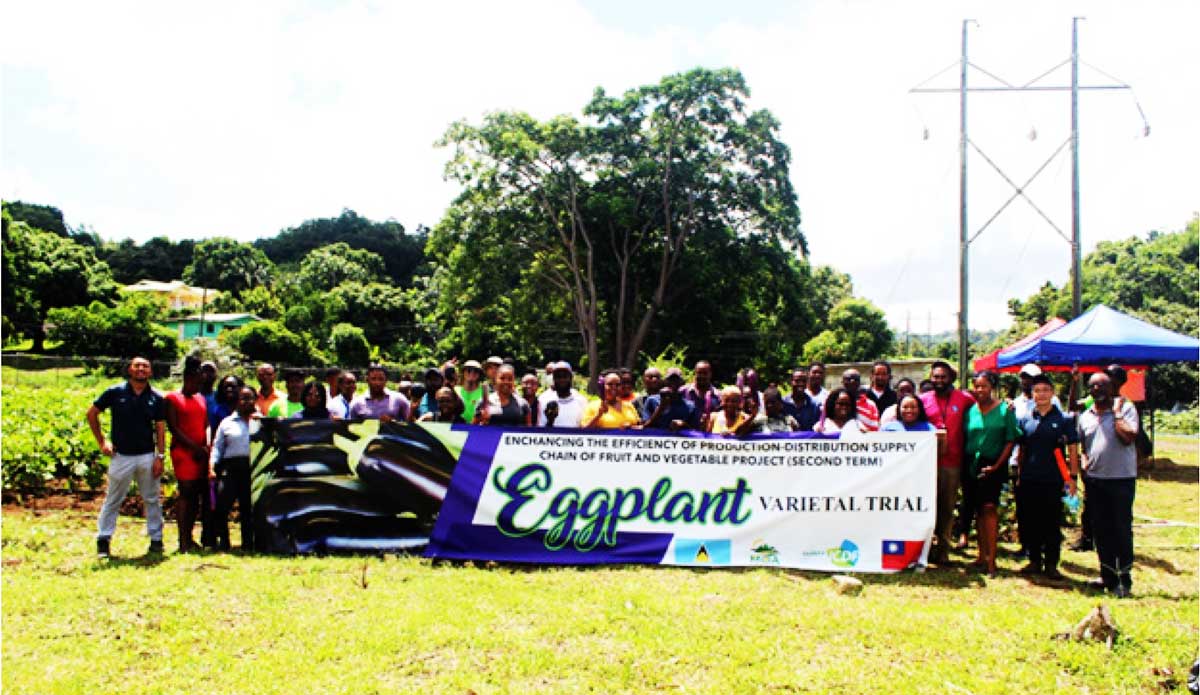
pixel 988 361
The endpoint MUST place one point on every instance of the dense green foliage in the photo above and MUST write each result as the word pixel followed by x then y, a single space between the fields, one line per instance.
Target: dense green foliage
pixel 402 254
pixel 1156 279
pixel 259 300
pixel 44 217
pixel 127 329
pixel 159 258
pixel 227 265
pixel 857 332
pixel 349 346
pixel 327 267
pixel 43 271
pixel 45 438
pixel 270 341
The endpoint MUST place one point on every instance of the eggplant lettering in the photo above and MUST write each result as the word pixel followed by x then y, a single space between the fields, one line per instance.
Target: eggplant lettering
pixel 587 519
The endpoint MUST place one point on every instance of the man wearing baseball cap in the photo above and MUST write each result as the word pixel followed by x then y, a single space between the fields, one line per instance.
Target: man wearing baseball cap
pixel 561 406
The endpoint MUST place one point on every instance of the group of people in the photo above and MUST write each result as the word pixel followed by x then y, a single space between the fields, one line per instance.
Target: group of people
pixel 981 436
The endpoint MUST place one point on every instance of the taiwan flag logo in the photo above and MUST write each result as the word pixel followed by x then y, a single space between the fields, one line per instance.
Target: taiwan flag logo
pixel 898 555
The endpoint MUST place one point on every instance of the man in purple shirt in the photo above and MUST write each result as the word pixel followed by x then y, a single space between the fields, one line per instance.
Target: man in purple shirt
pixel 379 402
pixel 947 408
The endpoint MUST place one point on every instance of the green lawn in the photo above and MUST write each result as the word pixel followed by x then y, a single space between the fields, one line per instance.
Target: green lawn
pixel 228 623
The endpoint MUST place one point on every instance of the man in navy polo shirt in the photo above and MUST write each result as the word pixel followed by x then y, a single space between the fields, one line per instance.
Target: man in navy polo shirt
pixel 136 446
pixel 1041 477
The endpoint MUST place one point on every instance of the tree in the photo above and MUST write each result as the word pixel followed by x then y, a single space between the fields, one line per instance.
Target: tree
pixel 48 271
pixel 857 331
pixel 403 254
pixel 605 215
pixel 329 266
pixel 159 258
pixel 43 217
pixel 224 264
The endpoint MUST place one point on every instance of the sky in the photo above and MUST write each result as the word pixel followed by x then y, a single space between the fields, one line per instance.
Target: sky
pixel 243 118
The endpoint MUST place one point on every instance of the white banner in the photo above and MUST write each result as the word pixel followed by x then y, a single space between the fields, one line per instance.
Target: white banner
pixel 863 505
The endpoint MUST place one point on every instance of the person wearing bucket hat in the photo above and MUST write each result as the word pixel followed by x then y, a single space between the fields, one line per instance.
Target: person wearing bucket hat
pixel 561 406
pixel 470 391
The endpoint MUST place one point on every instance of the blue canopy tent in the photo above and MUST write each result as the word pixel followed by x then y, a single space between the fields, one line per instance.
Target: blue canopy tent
pixel 1103 335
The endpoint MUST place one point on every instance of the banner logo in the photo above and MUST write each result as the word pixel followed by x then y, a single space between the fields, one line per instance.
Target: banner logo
pixel 703 551
pixel 764 553
pixel 845 555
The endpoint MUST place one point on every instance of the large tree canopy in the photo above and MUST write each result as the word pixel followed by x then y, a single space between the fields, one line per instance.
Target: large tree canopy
pixel 403 254
pixel 224 264
pixel 327 267
pixel 159 258
pixel 47 271
pixel 623 219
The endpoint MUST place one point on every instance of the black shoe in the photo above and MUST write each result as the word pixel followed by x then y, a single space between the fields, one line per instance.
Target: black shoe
pixel 1031 569
pixel 156 548
pixel 1053 574
pixel 1120 592
pixel 1083 546
pixel 1096 585
pixel 102 548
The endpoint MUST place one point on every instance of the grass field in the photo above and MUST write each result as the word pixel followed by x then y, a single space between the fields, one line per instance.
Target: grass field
pixel 238 624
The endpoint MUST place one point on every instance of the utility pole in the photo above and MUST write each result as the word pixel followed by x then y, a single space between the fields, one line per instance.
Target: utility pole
pixel 1076 262
pixel 965 238
pixel 907 332
pixel 964 244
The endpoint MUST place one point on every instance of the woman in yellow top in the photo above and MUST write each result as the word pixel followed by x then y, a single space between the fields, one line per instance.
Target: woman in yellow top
pixel 610 412
pixel 731 420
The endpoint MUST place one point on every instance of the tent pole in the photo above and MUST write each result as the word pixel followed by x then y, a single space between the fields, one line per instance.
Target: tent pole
pixel 1150 403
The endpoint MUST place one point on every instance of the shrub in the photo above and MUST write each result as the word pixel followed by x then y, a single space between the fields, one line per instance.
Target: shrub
pixel 127 329
pixel 269 341
pixel 349 345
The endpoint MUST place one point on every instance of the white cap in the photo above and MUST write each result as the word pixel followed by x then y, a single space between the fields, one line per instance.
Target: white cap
pixel 1031 369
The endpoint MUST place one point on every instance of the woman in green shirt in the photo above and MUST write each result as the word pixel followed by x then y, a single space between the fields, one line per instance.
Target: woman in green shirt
pixel 991 432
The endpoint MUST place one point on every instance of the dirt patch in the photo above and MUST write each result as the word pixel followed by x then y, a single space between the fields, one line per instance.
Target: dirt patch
pixel 133 505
